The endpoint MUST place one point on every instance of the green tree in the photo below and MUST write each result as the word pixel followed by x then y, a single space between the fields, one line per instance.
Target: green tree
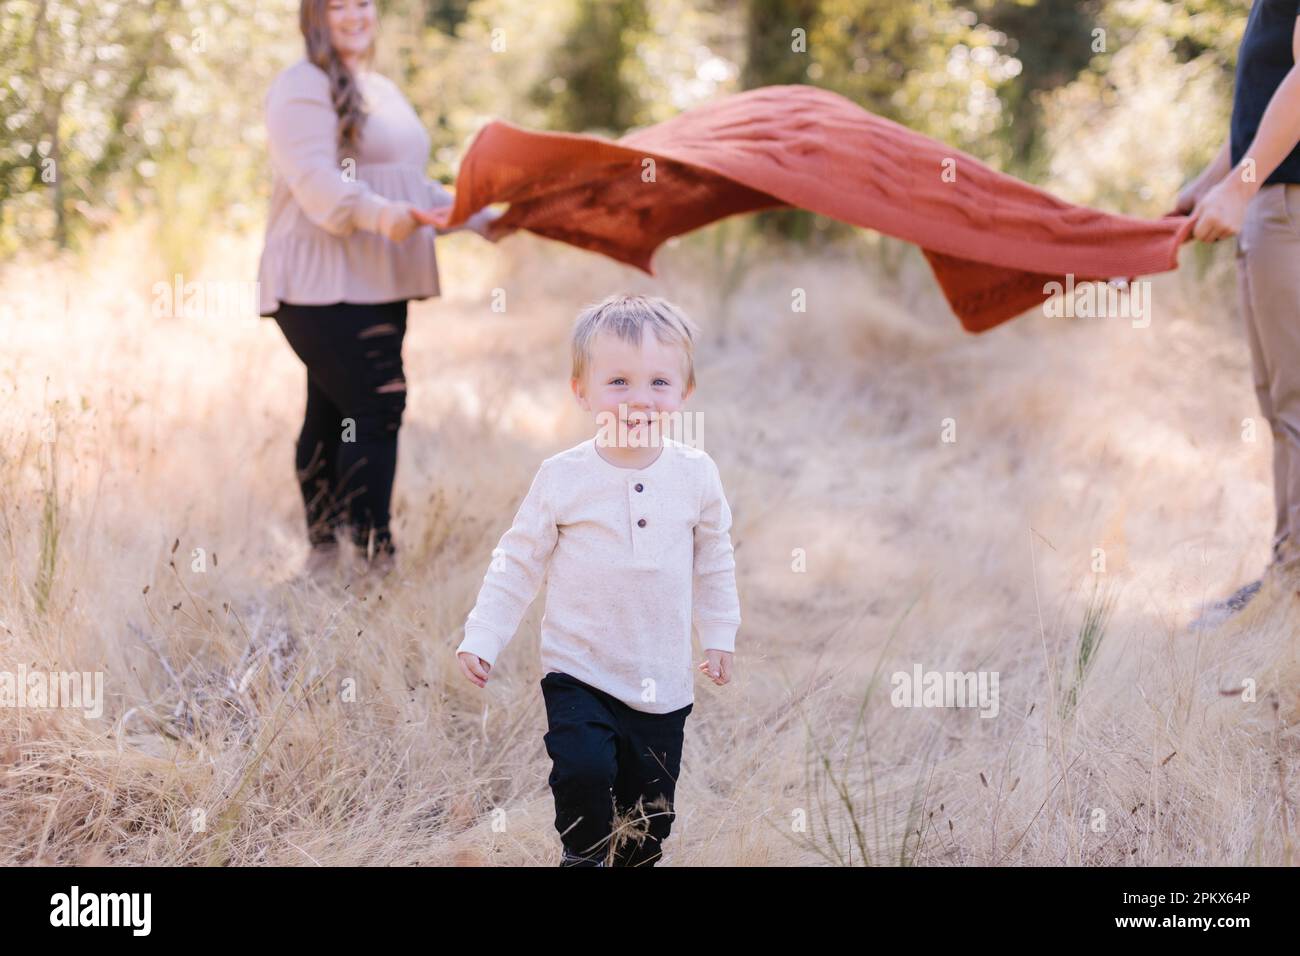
pixel 590 89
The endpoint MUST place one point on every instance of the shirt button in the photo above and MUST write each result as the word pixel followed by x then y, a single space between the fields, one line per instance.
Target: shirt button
pixel 641 523
pixel 640 487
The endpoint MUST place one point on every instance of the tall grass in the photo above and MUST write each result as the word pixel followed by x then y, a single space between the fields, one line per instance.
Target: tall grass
pixel 50 521
pixel 1087 644
pixel 255 718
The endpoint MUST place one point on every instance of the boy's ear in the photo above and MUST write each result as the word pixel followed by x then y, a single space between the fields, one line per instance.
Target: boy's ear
pixel 578 392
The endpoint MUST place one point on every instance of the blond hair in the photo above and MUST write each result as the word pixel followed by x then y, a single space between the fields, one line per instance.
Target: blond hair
pixel 628 316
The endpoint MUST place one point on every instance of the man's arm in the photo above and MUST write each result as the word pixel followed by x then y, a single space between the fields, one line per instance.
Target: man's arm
pixel 1279 127
pixel 1209 178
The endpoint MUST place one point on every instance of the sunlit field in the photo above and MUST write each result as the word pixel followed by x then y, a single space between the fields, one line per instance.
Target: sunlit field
pixel 1097 491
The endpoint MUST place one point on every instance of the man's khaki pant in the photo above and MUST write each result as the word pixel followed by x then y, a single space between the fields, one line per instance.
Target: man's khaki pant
pixel 1268 274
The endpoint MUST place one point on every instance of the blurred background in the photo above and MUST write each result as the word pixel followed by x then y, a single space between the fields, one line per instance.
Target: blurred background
pixel 1100 487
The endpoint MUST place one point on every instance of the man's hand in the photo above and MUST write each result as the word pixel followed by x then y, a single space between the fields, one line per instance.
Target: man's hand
pixel 717 666
pixel 1222 210
pixel 474 667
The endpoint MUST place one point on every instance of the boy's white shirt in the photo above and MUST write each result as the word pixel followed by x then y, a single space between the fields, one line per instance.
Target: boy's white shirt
pixel 621 599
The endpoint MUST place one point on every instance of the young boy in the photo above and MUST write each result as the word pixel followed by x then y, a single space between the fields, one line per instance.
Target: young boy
pixel 634 527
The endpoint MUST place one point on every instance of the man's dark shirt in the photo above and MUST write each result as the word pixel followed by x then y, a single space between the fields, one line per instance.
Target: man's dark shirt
pixel 1263 61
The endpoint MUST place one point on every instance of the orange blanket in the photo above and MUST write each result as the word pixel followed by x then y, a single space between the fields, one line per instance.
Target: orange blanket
pixel 992 240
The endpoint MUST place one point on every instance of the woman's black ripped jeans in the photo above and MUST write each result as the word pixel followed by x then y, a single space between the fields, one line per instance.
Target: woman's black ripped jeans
pixel 356 393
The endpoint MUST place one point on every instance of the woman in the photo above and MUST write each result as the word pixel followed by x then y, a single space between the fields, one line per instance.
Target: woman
pixel 1253 188
pixel 345 249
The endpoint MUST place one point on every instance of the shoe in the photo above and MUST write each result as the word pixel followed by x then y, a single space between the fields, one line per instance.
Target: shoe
pixel 369 562
pixel 382 563
pixel 322 561
pixel 1220 611
pixel 1242 596
pixel 572 859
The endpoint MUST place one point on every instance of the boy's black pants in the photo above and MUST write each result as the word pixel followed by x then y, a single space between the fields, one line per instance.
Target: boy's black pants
pixel 606 755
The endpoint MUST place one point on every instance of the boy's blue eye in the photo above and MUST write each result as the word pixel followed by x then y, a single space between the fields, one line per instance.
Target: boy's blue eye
pixel 661 381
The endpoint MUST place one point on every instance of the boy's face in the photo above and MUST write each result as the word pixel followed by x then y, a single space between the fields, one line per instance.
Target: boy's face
pixel 633 383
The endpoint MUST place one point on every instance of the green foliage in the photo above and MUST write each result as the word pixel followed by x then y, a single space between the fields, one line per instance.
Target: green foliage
pixel 1051 39
pixel 99 97
pixel 1096 618
pixel 772 41
pixel 1111 138
pixel 931 67
pixel 589 89
pixel 446 15
pixel 51 516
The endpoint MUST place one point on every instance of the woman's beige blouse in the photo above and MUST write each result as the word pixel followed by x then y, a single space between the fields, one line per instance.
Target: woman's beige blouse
pixel 322 245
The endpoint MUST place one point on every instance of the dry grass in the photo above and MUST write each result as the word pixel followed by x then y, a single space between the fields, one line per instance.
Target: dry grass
pixel 255 719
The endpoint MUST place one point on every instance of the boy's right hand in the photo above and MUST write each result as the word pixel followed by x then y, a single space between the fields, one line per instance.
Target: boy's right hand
pixel 474 667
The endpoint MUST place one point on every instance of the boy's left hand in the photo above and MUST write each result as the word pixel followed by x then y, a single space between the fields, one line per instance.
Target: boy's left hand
pixel 717 666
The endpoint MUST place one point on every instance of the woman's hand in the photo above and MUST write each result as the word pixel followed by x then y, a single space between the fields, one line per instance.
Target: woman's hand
pixel 431 217
pixel 397 220
pixel 478 223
